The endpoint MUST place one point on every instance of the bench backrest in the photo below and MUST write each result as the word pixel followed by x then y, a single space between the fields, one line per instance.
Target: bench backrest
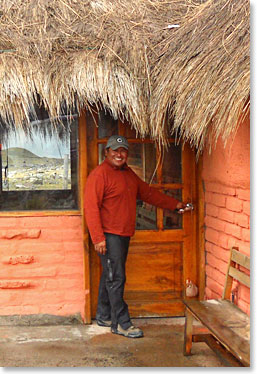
pixel 236 261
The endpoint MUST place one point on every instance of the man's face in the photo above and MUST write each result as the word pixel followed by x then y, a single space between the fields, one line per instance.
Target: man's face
pixel 117 158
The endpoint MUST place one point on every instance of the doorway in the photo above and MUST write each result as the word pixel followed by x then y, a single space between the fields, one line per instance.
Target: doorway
pixel 162 253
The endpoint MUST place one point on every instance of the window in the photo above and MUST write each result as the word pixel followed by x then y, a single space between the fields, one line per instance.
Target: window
pixel 39 167
pixel 161 168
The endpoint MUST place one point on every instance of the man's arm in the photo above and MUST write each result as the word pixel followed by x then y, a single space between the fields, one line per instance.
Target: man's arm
pixel 94 192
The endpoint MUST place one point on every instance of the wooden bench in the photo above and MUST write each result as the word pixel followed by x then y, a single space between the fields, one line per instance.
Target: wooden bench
pixel 224 327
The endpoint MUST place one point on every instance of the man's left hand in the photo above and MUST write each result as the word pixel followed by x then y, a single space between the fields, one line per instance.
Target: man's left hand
pixel 182 208
pixel 179 206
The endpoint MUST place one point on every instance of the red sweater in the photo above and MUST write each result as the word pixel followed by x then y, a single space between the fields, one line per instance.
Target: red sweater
pixel 110 200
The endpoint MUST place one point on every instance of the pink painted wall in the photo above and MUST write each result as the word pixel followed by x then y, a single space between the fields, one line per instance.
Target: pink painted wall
pixel 226 176
pixel 41 265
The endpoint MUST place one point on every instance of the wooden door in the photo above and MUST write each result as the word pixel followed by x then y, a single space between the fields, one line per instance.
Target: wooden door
pixel 162 253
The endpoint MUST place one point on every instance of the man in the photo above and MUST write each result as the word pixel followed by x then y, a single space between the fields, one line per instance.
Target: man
pixel 110 209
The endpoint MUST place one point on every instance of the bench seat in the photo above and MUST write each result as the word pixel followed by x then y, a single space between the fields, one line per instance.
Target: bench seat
pixel 226 323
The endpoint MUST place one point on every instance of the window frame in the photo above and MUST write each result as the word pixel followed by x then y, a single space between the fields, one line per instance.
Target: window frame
pixel 54 194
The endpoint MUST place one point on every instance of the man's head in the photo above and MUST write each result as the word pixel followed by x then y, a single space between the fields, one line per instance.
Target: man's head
pixel 116 150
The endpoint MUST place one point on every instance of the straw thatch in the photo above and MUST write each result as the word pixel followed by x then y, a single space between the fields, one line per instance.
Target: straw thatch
pixel 203 77
pixel 125 56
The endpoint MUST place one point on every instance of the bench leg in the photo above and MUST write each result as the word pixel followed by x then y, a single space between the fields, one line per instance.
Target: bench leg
pixel 188 332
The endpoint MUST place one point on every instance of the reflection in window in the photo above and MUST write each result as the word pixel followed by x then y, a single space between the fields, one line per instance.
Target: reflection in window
pixel 172 170
pixel 142 161
pixel 146 216
pixel 39 170
pixel 172 220
pixel 36 163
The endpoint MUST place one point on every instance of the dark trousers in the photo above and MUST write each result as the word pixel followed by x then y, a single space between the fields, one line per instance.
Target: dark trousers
pixel 111 304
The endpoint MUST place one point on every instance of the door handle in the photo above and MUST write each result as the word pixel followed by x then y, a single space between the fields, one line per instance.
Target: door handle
pixel 188 207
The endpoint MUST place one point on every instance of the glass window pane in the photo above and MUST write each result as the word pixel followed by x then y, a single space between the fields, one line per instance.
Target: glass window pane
pixel 37 163
pixel 107 125
pixel 142 160
pixel 172 220
pixel 101 149
pixel 146 216
pixel 172 169
pixel 40 170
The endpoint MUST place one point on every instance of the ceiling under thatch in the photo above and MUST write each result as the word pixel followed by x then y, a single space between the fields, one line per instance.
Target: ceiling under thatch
pixel 141 59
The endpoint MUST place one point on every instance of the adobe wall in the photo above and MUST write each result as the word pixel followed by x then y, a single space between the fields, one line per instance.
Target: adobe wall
pixel 226 176
pixel 41 266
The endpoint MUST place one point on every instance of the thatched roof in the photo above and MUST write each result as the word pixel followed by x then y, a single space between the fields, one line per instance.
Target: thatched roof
pixel 130 57
pixel 203 76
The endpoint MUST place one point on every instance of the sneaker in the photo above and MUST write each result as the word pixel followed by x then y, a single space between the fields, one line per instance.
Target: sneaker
pixel 131 332
pixel 103 323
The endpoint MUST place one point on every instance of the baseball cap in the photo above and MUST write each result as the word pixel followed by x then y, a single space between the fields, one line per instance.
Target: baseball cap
pixel 117 141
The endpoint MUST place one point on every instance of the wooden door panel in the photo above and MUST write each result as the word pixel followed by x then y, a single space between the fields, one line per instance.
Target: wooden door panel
pixel 155 267
pixel 154 277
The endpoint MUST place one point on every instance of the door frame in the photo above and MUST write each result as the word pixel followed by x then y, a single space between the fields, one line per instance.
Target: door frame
pixel 200 237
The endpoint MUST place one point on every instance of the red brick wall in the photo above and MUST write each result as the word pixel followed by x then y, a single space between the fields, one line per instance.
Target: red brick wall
pixel 41 265
pixel 226 176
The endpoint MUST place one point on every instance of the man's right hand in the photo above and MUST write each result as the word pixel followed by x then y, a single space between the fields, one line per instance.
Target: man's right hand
pixel 101 247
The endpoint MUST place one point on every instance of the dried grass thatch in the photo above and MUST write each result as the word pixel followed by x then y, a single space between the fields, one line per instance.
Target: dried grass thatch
pixel 123 55
pixel 203 77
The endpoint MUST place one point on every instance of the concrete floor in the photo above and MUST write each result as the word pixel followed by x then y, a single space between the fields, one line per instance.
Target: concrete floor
pixel 94 346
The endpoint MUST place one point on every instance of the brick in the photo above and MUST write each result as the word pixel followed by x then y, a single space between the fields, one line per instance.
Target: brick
pixel 246 207
pixel 215 199
pixel 10 284
pixel 215 274
pixel 62 235
pixel 217 264
pixel 234 204
pixel 62 309
pixel 74 296
pixel 212 210
pixel 233 242
pixel 215 223
pixel 220 188
pixel 214 286
pixel 48 297
pixel 226 215
pixel 243 194
pixel 244 293
pixel 245 307
pixel 209 247
pixel 63 283
pixel 15 260
pixel 24 309
pixel 233 230
pixel 208 293
pixel 6 223
pixel 20 234
pixel 219 252
pixel 212 235
pixel 28 271
pixel 242 220
pixel 244 247
pixel 246 234
pixel 66 270
pixel 223 240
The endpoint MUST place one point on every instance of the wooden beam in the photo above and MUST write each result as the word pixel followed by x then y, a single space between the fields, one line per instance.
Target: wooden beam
pixel 200 228
pixel 226 357
pixel 82 181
